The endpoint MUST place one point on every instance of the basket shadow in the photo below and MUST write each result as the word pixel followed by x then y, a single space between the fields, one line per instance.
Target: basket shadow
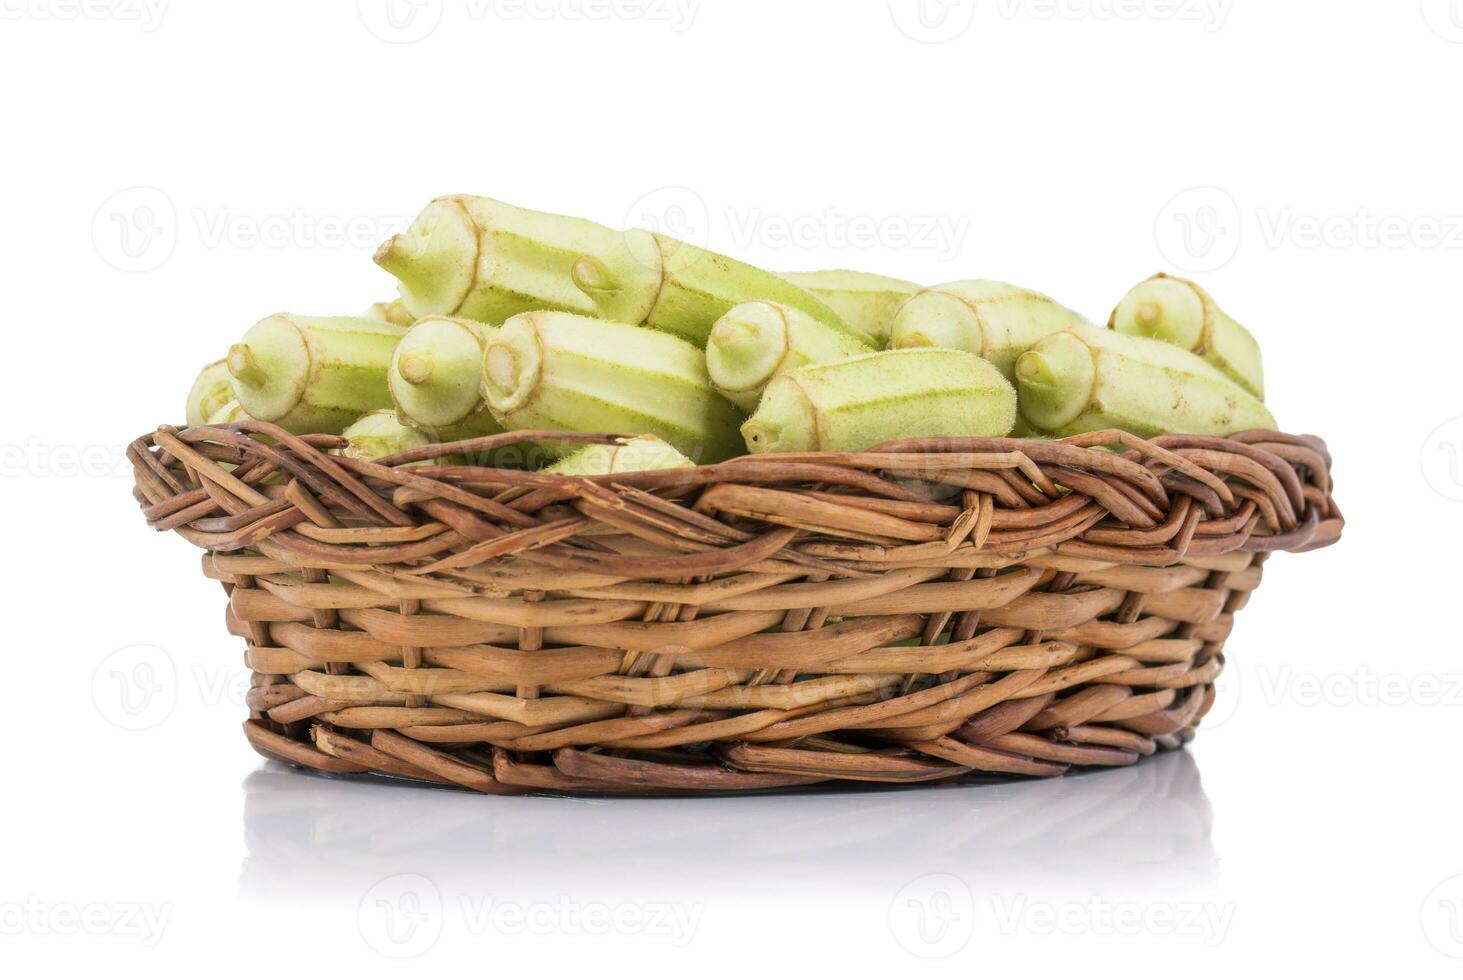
pixel 1143 827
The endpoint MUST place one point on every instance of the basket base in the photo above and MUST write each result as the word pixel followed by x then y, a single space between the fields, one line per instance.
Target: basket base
pixel 505 776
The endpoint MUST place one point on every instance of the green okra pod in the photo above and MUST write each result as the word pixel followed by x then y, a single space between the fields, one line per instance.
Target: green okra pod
pixel 756 341
pixel 867 302
pixel 1180 312
pixel 857 403
pixel 633 455
pixel 656 281
pixel 313 374
pixel 212 389
pixel 1085 379
pixel 554 370
pixel 485 260
pixel 435 379
pixel 380 433
pixel 993 319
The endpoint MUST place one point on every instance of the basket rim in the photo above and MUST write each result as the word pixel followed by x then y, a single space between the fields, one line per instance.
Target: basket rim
pixel 1152 503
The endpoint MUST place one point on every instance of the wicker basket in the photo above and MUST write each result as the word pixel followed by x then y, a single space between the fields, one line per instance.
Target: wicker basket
pixel 928 611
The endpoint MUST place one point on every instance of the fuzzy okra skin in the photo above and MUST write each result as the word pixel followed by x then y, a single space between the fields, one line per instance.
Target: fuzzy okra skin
pixel 853 404
pixel 435 378
pixel 656 281
pixel 867 302
pixel 754 342
pixel 212 389
pixel 485 260
pixel 634 455
pixel 993 319
pixel 1179 311
pixel 554 370
pixel 1085 379
pixel 313 374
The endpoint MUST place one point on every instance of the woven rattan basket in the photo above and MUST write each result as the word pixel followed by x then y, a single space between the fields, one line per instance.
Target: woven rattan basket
pixel 928 611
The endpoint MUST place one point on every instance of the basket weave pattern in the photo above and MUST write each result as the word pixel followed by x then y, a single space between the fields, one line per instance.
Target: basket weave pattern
pixel 929 610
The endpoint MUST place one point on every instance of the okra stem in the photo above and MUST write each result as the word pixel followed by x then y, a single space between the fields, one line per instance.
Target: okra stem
pixel 244 366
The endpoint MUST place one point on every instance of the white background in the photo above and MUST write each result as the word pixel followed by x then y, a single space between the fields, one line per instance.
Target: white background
pixel 1301 158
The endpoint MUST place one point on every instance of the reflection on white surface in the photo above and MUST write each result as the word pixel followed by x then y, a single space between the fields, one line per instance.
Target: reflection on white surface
pixel 1135 830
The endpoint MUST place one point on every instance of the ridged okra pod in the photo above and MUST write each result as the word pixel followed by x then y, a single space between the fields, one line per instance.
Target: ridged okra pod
pixel 1180 312
pixel 552 370
pixel 436 378
pixel 853 404
pixel 380 433
pixel 485 260
pixel 634 455
pixel 313 374
pixel 993 319
pixel 756 341
pixel 212 389
pixel 1085 379
pixel 656 281
pixel 867 302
